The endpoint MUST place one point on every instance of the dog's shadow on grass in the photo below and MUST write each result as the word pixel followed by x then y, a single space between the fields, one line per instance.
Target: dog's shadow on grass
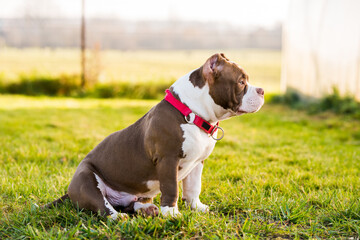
pixel 66 214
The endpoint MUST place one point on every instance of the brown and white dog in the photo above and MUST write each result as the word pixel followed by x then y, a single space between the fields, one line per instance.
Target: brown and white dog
pixel 131 166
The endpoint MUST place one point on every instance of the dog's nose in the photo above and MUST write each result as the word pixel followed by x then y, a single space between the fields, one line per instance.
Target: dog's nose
pixel 260 91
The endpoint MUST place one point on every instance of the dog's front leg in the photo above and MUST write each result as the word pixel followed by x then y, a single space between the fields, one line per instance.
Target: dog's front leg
pixel 167 170
pixel 192 189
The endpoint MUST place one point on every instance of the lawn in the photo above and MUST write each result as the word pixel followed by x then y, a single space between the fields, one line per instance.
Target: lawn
pixel 277 173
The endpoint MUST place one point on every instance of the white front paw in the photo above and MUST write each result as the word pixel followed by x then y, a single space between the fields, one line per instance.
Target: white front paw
pixel 196 205
pixel 117 215
pixel 170 211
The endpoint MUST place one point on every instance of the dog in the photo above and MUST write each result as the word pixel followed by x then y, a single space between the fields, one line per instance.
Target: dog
pixel 167 145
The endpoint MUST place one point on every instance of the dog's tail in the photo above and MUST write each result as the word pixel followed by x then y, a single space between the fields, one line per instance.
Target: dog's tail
pixel 56 202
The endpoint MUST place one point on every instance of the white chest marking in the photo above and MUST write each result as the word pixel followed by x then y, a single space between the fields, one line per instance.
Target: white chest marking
pixel 196 147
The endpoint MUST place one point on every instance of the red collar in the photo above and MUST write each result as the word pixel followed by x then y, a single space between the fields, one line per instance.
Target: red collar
pixel 191 117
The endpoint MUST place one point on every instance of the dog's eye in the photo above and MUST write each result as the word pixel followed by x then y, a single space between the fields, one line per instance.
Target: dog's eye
pixel 242 82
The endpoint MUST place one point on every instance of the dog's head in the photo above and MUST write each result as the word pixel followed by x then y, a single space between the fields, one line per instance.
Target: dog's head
pixel 229 86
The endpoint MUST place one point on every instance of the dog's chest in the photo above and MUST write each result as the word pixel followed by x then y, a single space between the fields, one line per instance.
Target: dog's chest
pixel 196 147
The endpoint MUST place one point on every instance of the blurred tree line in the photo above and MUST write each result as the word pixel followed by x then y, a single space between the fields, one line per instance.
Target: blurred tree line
pixel 130 35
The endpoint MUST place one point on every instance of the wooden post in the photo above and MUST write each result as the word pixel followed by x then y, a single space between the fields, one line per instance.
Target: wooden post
pixel 83 47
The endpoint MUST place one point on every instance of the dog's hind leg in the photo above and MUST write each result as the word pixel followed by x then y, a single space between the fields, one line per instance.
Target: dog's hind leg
pixel 85 193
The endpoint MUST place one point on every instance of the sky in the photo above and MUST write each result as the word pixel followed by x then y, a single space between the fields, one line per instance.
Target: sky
pixel 264 13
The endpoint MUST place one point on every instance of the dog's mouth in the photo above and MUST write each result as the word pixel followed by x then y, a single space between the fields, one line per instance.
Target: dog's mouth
pixel 252 106
pixel 239 112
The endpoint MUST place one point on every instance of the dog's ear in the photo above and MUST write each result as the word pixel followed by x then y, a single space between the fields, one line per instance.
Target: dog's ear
pixel 212 66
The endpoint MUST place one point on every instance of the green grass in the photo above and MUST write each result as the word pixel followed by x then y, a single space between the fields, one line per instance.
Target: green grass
pixel 277 173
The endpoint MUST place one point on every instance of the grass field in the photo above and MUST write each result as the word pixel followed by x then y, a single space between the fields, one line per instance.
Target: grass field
pixel 277 173
pixel 263 66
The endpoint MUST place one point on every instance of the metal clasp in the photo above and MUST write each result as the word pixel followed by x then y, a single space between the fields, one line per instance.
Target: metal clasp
pixel 190 118
pixel 222 135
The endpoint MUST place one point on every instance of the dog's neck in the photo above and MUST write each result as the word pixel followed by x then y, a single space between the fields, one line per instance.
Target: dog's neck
pixel 199 100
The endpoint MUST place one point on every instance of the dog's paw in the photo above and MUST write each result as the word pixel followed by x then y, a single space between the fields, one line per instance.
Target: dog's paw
pixel 201 207
pixel 170 211
pixel 117 215
pixel 122 216
pixel 147 209
pixel 196 205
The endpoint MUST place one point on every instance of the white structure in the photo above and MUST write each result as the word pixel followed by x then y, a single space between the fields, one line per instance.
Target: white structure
pixel 321 47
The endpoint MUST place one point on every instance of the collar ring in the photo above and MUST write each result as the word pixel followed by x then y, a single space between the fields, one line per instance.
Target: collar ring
pixel 190 118
pixel 222 135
